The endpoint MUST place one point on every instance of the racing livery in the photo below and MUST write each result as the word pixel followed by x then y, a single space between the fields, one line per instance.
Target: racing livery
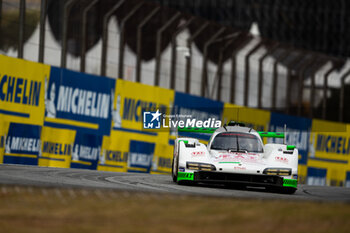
pixel 236 154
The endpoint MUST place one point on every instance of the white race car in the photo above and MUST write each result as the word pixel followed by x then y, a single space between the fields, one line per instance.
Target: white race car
pixel 236 154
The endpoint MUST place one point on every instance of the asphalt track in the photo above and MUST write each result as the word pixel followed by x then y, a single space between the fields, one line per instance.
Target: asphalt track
pixel 139 182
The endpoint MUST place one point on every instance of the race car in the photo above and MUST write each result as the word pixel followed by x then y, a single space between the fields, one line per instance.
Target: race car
pixel 236 154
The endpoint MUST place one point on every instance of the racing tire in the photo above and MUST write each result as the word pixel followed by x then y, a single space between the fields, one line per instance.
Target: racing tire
pixel 175 166
pixel 185 182
pixel 283 190
pixel 287 190
pixel 174 176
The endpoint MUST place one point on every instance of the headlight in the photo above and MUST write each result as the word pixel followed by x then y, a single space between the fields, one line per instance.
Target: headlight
pixel 200 166
pixel 278 171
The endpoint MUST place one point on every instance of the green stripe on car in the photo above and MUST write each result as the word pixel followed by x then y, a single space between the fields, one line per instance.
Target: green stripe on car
pixel 270 134
pixel 185 141
pixel 290 183
pixel 185 176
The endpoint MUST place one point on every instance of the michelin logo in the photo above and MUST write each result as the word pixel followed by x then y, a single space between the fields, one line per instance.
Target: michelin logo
pixel 151 120
pixel 20 91
pixel 85 152
pixel 139 159
pixel 22 144
pixel 77 101
pixel 56 148
pixel 114 156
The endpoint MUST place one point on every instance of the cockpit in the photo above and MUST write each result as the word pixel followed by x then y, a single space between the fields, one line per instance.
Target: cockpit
pixel 237 142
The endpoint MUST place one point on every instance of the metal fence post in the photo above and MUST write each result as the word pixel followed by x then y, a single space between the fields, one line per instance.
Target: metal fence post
pixel 220 68
pixel 218 75
pixel 261 73
pixel 0 16
pixel 279 59
pixel 189 60
pixel 325 90
pixel 205 61
pixel 173 52
pixel 290 66
pixel 122 39
pixel 312 98
pixel 159 46
pixel 139 42
pixel 83 35
pixel 106 18
pixel 241 43
pixel 342 93
pixel 312 92
pixel 66 9
pixel 247 72
pixel 301 82
pixel 43 10
pixel 22 21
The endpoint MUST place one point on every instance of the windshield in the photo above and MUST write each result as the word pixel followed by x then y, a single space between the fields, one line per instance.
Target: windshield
pixel 237 142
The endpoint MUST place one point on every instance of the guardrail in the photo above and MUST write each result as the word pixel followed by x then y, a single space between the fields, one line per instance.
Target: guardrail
pixel 60 118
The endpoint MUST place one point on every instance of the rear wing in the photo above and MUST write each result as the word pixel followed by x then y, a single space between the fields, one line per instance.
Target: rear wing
pixel 276 135
pixel 196 130
pixel 212 130
pixel 264 134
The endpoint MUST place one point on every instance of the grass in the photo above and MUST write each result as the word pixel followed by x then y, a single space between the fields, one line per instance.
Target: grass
pixel 53 210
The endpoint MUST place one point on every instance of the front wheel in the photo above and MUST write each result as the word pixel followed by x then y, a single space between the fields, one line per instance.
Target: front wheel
pixel 288 190
pixel 174 170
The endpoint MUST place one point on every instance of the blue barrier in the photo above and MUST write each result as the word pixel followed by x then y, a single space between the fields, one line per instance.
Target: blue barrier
pixel 79 101
pixel 23 144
